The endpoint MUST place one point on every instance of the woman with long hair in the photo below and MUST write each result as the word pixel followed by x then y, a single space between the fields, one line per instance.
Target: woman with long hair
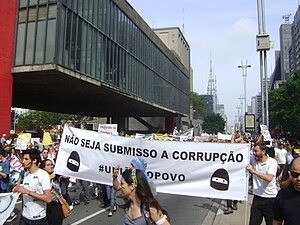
pixel 54 210
pixel 143 208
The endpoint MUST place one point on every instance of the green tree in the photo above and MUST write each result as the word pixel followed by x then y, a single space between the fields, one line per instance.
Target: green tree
pixel 198 104
pixel 40 120
pixel 285 108
pixel 213 123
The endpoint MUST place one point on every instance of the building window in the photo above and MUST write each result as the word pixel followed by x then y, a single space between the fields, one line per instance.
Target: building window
pixel 50 41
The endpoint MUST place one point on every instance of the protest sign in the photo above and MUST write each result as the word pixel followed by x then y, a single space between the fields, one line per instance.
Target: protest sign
pixel 22 141
pixel 215 170
pixel 108 128
pixel 266 133
pixel 224 136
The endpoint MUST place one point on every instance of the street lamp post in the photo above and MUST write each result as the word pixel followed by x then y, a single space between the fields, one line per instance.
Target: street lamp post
pixel 244 70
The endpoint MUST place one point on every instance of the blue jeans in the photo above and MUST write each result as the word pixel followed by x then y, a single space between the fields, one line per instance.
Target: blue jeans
pixel 111 195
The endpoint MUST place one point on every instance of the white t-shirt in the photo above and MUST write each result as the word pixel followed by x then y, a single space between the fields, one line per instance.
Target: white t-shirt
pixel 281 155
pixel 289 158
pixel 37 182
pixel 261 187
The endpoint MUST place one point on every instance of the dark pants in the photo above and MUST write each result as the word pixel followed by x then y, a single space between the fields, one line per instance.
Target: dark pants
pixel 85 190
pixel 24 221
pixel 54 214
pixel 105 199
pixel 229 203
pixel 64 183
pixel 261 208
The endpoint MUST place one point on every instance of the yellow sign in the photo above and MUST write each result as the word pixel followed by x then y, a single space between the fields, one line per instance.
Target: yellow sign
pixel 47 140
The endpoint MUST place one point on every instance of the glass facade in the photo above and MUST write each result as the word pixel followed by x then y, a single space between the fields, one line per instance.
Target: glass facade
pixel 97 39
pixel 36 31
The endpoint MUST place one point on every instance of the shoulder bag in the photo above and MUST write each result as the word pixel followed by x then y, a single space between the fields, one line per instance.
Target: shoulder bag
pixel 64 205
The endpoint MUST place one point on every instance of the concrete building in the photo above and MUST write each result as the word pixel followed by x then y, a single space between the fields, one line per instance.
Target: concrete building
pixel 176 42
pixel 282 69
pixel 256 107
pixel 221 111
pixel 95 58
pixel 294 51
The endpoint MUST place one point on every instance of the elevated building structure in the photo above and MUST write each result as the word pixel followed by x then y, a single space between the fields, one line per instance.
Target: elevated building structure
pixel 96 58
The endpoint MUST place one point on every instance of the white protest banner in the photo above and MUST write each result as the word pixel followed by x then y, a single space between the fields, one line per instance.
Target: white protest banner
pixel 7 205
pixel 184 135
pixel 108 128
pixel 215 170
pixel 224 136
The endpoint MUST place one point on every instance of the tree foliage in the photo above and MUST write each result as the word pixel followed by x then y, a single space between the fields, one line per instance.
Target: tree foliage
pixel 198 104
pixel 40 120
pixel 213 123
pixel 285 107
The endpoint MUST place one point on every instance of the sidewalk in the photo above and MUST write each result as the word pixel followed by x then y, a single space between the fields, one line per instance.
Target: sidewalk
pixel 238 217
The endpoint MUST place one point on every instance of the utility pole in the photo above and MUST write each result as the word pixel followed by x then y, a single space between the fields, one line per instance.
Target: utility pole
pixel 241 115
pixel 238 121
pixel 263 45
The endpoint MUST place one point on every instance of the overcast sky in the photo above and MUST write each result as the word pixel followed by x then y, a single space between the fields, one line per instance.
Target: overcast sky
pixel 225 31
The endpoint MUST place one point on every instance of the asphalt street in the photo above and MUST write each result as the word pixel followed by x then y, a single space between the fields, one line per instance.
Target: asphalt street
pixel 182 210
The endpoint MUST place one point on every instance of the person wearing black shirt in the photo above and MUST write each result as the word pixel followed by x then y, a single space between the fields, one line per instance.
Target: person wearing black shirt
pixel 286 205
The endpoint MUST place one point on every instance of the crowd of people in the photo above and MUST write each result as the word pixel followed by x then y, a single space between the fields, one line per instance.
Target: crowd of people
pixel 274 182
pixel 274 167
pixel 41 188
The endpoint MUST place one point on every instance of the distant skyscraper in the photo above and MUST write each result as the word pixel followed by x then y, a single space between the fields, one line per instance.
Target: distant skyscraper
pixel 209 102
pixel 285 33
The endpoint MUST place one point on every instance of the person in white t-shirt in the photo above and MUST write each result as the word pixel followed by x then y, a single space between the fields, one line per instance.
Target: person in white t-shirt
pixel 35 190
pixel 280 156
pixel 264 170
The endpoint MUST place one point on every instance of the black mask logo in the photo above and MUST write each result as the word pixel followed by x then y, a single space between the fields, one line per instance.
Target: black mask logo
pixel 220 180
pixel 6 202
pixel 73 162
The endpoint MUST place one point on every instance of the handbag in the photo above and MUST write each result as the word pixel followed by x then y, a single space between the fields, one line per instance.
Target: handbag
pixel 64 205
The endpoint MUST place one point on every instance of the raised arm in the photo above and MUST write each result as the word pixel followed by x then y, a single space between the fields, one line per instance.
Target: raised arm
pixel 116 183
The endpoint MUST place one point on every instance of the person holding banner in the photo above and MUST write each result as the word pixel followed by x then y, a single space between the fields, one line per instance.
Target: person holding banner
pixel 142 208
pixel 35 190
pixel 263 169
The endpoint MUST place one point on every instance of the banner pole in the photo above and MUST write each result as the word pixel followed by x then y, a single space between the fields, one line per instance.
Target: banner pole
pixel 246 211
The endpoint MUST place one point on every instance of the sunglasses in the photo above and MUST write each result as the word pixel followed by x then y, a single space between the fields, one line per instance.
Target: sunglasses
pixel 295 174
